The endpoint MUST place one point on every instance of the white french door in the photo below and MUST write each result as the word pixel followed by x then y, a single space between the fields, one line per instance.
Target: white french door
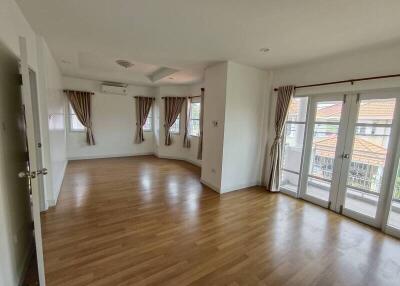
pixel 348 156
pixel 326 132
pixel 367 162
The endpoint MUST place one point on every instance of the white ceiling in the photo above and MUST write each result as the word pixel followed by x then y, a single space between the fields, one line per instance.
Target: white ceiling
pixel 87 37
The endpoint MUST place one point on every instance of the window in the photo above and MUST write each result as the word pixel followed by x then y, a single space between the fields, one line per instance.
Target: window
pixel 74 124
pixel 148 125
pixel 175 127
pixel 195 119
pixel 293 144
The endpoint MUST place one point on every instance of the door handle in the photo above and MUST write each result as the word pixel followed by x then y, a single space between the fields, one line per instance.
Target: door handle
pixel 41 171
pixel 346 156
pixel 27 174
pixel 33 174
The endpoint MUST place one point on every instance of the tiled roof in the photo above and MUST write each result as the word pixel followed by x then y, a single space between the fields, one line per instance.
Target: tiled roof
pixel 364 151
pixel 370 109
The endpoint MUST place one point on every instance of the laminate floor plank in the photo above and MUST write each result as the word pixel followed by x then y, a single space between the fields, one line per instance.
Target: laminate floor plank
pixel 149 221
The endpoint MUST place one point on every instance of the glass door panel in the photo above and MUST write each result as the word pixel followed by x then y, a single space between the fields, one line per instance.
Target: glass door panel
pixel 369 149
pixel 293 142
pixel 394 213
pixel 322 144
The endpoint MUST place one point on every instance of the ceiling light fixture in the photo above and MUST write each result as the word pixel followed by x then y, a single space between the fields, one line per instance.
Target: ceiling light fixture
pixel 124 63
pixel 265 50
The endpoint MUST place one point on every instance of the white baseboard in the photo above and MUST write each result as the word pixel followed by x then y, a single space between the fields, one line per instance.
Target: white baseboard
pixel 193 162
pixel 229 189
pixel 211 186
pixel 53 202
pixel 73 158
pixel 239 187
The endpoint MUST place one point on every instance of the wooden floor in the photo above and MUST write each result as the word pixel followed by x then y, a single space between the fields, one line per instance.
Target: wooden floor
pixel 148 221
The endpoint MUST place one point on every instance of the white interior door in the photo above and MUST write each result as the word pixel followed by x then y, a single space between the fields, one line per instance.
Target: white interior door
pixel 366 168
pixel 30 132
pixel 326 129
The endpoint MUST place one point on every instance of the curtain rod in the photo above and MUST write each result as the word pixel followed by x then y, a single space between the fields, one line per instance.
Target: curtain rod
pixel 352 81
pixel 68 90
pixel 180 96
pixel 144 97
pixel 202 89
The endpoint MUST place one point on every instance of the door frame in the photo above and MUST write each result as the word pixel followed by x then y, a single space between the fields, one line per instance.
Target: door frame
pixel 348 149
pixel 311 122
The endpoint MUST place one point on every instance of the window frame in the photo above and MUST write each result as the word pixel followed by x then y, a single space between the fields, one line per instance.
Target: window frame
pixel 71 113
pixel 191 118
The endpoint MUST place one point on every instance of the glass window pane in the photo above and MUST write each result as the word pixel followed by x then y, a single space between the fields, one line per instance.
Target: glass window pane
pixel 318 188
pixel 293 146
pixel 76 125
pixel 394 214
pixel 376 111
pixel 175 127
pixel 148 125
pixel 298 109
pixel 368 157
pixel 367 161
pixel 195 127
pixel 195 110
pixel 323 150
pixel 290 181
pixel 361 202
pixel 329 111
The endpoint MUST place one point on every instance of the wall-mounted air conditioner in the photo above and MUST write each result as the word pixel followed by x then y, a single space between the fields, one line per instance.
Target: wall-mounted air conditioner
pixel 115 88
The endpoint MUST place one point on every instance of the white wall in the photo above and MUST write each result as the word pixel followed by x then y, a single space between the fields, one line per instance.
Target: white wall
pixel 52 103
pixel 213 135
pixel 176 150
pixel 114 123
pixel 13 25
pixel 371 62
pixel 235 102
pixel 246 93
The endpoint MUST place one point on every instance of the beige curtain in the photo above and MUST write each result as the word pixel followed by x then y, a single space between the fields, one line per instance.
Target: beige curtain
pixel 200 148
pixel 81 103
pixel 173 107
pixel 186 138
pixel 143 106
pixel 285 95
